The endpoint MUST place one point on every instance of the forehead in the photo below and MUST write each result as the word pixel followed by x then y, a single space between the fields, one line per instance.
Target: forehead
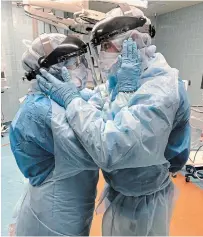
pixel 108 46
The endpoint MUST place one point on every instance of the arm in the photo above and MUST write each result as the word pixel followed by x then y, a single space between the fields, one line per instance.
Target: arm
pixel 96 97
pixel 137 136
pixel 178 148
pixel 86 94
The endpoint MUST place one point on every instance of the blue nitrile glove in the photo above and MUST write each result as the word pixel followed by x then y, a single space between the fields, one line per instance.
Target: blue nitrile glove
pixel 86 94
pixel 61 92
pixel 113 89
pixel 128 75
pixel 56 73
pixel 112 79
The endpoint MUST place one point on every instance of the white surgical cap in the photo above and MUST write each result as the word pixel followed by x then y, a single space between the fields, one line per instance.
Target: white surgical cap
pixel 140 34
pixel 35 49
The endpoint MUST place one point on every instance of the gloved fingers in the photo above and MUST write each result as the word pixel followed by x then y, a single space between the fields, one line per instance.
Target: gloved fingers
pixel 125 49
pixel 139 59
pixel 44 89
pixel 119 62
pixel 53 71
pixel 41 80
pixel 114 93
pixel 134 51
pixel 49 77
pixel 112 82
pixel 56 73
pixel 65 74
pixel 44 84
pixel 130 48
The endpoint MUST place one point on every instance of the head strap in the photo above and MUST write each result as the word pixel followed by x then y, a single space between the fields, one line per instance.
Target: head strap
pixel 125 8
pixel 46 45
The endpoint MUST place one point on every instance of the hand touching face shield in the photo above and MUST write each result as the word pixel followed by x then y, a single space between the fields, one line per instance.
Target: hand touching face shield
pixel 128 75
pixel 61 92
pixel 128 70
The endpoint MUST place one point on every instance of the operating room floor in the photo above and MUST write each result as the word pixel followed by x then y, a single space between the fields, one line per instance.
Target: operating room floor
pixel 186 220
pixel 11 185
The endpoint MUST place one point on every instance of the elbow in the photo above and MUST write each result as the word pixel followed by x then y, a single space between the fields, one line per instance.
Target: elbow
pixel 178 162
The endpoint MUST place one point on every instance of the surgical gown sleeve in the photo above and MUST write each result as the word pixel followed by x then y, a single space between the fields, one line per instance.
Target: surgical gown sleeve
pixel 178 148
pixel 138 134
pixel 86 93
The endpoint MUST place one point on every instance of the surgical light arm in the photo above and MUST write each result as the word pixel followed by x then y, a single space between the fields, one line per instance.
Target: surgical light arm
pixel 77 5
pixel 82 15
pixel 48 17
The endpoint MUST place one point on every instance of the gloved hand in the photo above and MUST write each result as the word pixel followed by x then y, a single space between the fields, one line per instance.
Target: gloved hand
pixel 130 71
pixel 112 79
pixel 113 88
pixel 86 94
pixel 56 73
pixel 61 92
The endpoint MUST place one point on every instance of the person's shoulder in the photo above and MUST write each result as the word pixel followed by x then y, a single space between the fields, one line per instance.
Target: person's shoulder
pixel 182 93
pixel 183 113
pixel 37 104
pixel 35 109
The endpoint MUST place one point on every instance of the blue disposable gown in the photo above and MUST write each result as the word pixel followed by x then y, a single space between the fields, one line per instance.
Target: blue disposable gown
pixel 62 176
pixel 130 141
pixel 178 147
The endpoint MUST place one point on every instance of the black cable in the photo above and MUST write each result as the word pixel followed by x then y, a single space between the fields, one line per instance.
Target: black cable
pixel 196 152
pixel 201 112
pixel 74 30
pixel 197 106
pixel 56 29
pixel 2 116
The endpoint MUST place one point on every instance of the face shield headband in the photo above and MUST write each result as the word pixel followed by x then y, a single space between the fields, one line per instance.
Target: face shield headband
pixel 69 48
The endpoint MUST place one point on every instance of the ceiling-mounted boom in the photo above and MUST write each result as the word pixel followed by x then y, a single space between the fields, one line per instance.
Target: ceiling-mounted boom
pixel 82 23
pixel 48 17
pixel 84 18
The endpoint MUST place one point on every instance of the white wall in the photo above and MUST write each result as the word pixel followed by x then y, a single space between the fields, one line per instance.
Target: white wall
pixel 180 39
pixel 16 26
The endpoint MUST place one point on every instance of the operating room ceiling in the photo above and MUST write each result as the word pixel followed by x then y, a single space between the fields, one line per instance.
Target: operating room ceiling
pixel 161 7
pixel 154 7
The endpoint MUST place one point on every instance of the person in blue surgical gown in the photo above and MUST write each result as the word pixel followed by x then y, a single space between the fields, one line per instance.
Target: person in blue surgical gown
pixel 62 175
pixel 141 134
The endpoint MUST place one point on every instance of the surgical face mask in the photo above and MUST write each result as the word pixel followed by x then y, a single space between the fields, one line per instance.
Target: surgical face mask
pixel 107 60
pixel 76 67
pixel 79 76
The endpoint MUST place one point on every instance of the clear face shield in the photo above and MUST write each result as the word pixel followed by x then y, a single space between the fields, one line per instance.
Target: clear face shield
pixel 108 57
pixel 105 56
pixel 102 41
pixel 78 69
pixel 70 53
